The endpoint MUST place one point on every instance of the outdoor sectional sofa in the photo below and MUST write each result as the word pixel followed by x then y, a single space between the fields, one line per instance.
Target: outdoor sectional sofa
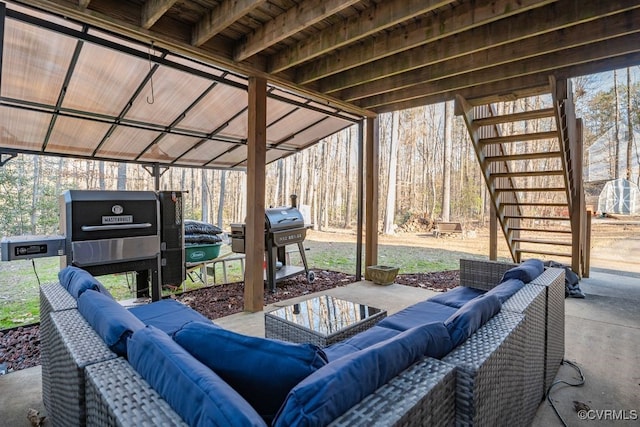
pixel 480 354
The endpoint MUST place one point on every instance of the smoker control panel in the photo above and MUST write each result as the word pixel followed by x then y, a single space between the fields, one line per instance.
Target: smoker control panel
pixel 27 247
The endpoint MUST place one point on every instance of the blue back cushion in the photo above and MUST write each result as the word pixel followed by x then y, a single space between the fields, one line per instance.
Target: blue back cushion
pixel 506 289
pixel 457 297
pixel 333 389
pixel 418 314
pixel 168 315
pixel 262 370
pixel 471 316
pixel 111 321
pixel 195 392
pixel 527 271
pixel 76 280
pixel 360 341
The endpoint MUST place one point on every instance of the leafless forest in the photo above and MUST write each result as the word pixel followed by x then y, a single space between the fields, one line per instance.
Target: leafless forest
pixel 421 150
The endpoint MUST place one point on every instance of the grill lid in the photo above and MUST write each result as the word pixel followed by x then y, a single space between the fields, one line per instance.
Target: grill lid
pixel 283 218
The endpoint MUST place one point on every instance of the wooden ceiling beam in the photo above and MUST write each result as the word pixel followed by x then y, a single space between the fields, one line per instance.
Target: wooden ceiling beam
pixel 153 10
pixel 545 65
pixel 377 18
pixel 456 20
pixel 532 48
pixel 221 17
pixel 553 17
pixel 289 23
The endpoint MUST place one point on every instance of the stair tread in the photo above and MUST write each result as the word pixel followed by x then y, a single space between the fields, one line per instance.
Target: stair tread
pixel 531 189
pixel 542 242
pixel 515 117
pixel 533 251
pixel 541 230
pixel 527 174
pixel 525 156
pixel 534 136
pixel 548 218
pixel 545 204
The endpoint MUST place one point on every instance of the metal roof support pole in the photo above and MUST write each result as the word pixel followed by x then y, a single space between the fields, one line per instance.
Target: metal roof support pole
pixel 256 167
pixel 371 199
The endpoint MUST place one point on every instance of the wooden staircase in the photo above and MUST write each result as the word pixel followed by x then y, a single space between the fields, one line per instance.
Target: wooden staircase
pixel 530 153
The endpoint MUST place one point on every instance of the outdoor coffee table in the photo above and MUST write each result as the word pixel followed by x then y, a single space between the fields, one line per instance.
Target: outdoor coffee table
pixel 322 320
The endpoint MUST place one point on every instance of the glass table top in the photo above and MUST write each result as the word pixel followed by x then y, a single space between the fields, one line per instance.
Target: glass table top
pixel 325 314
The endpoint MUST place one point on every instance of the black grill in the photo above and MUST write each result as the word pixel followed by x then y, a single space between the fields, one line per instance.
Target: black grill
pixel 111 232
pixel 282 226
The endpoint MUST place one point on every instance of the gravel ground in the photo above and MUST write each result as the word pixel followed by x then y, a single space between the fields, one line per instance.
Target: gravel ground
pixel 20 347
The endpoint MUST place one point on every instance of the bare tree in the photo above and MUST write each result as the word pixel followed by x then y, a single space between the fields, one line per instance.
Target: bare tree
pixel 616 124
pixel 446 162
pixel 389 213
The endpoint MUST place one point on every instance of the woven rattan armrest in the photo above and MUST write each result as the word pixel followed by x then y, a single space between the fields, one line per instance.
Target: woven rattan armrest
pixel 422 395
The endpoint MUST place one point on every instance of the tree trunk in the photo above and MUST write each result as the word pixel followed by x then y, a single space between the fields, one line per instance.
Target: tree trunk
pixel 347 176
pixel 389 213
pixel 446 161
pixel 35 195
pixel 616 119
pixel 223 183
pixel 629 125
pixel 122 177
pixel 204 195
pixel 101 176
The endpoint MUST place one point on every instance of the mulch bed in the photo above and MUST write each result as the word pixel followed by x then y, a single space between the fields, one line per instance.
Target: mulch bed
pixel 20 347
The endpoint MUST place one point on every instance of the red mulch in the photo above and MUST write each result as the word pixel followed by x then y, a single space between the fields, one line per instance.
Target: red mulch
pixel 20 347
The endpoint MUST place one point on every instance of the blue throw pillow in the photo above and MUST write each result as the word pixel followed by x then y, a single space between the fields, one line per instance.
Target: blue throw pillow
pixel 471 316
pixel 506 289
pixel 111 321
pixel 527 271
pixel 76 280
pixel 360 341
pixel 333 389
pixel 262 370
pixel 418 314
pixel 194 391
pixel 168 315
pixel 457 297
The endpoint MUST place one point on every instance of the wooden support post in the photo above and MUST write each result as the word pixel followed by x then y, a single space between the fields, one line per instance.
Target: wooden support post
pixel 372 143
pixel 256 165
pixel 360 200
pixel 587 246
pixel 578 210
pixel 493 233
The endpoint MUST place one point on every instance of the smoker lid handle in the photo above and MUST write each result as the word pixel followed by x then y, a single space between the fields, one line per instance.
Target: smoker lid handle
pixel 291 218
pixel 115 227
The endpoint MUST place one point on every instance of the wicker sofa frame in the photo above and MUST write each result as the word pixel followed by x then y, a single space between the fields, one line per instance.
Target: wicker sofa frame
pixel 490 379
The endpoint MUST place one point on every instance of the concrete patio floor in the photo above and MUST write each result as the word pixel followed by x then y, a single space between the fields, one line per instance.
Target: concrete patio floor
pixel 602 337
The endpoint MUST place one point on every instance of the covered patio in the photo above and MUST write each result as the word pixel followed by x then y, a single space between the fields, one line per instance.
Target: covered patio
pixel 240 84
pixel 250 82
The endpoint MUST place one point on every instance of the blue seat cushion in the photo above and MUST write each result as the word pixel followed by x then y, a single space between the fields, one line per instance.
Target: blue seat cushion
pixel 360 341
pixel 76 280
pixel 261 370
pixel 111 321
pixel 457 297
pixel 333 389
pixel 527 271
pixel 417 314
pixel 168 315
pixel 506 289
pixel 194 391
pixel 471 316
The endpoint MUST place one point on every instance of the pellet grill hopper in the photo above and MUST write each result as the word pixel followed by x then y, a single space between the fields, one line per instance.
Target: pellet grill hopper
pixel 283 226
